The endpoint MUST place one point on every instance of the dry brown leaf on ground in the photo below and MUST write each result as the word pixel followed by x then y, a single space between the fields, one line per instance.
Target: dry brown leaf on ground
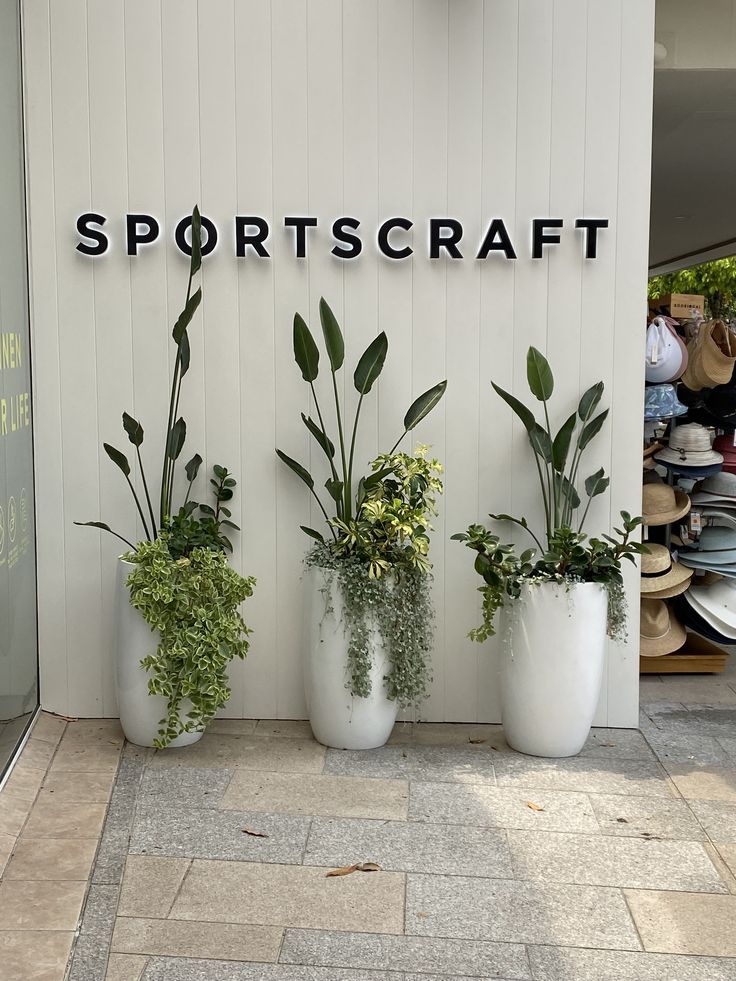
pixel 475 742
pixel 345 870
pixel 368 867
pixel 253 833
pixel 622 820
pixel 533 807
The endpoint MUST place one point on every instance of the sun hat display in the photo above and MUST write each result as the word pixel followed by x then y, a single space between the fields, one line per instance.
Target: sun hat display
pixel 666 355
pixel 659 632
pixel 714 516
pixel 662 504
pixel 717 605
pixel 712 356
pixel 693 473
pixel 720 403
pixel 719 489
pixel 661 402
pixel 659 574
pixel 689 616
pixel 689 446
pixel 716 547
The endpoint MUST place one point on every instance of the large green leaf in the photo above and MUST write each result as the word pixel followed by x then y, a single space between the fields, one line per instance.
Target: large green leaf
pixel 192 468
pixel 423 405
pixel 596 484
pixel 312 533
pixel 526 415
pixel 185 317
pixel 592 429
pixel 539 375
pixel 133 428
pixel 371 364
pixel 177 436
pixel 104 527
pixel 118 458
pixel 184 353
pixel 322 438
pixel 589 400
pixel 196 260
pixel 297 468
pixel 568 491
pixel 375 478
pixel 334 489
pixel 561 445
pixel 541 443
pixel 306 353
pixel 334 342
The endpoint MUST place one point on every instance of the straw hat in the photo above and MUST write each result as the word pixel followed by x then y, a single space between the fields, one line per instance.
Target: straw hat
pixel 662 504
pixel 712 357
pixel 666 355
pixel 689 446
pixel 718 489
pixel 717 605
pixel 660 575
pixel 659 631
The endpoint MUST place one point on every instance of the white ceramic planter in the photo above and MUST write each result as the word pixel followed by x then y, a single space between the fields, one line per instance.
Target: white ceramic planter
pixel 140 712
pixel 552 666
pixel 338 719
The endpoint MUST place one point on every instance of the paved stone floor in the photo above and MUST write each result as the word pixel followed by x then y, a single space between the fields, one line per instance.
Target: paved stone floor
pixel 618 865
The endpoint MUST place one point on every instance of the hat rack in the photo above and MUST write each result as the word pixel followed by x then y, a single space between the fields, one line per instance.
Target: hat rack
pixel 698 655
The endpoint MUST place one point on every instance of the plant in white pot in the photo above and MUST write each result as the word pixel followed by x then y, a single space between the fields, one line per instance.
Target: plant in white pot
pixel 178 620
pixel 561 599
pixel 368 611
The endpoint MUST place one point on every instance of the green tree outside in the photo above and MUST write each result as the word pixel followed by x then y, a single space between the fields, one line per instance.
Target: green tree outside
pixel 715 280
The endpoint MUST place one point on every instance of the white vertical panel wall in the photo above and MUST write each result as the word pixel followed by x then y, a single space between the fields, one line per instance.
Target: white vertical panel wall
pixel 472 109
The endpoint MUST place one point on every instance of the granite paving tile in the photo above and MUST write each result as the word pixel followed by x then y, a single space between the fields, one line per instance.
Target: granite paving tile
pixel 181 969
pixel 150 885
pixel 291 895
pixel 232 727
pixel 421 955
pixel 695 720
pixel 518 912
pixel 729 746
pixel 52 858
pixel 501 807
pixel 451 849
pixel 291 728
pixel 728 854
pixel 477 735
pixel 159 829
pixel 616 744
pixel 115 840
pixel 184 786
pixel 180 938
pixel 78 788
pixel 642 778
pixel 685 923
pixel 50 818
pixel 34 956
pixel 607 861
pixel 704 783
pixel 125 967
pixel 250 752
pixel 40 905
pixel 657 817
pixel 318 794
pixel 573 964
pixel 677 747
pixel 431 763
pixel 89 960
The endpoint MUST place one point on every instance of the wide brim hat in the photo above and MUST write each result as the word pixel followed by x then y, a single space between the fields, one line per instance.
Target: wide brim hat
pixel 662 504
pixel 659 572
pixel 718 489
pixel 660 632
pixel 688 458
pixel 717 605
pixel 715 516
pixel 690 617
pixel 695 473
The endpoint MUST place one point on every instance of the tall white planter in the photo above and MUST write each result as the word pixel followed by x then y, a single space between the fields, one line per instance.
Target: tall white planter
pixel 552 666
pixel 140 712
pixel 337 718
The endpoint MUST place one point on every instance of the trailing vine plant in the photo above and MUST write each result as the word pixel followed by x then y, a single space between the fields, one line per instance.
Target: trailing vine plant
pixel 376 542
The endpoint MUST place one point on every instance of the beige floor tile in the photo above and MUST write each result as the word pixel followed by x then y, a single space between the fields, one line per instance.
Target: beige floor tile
pixel 78 788
pixel 7 843
pixel 292 728
pixel 40 905
pixel 52 858
pixel 232 727
pixel 49 728
pixel 76 756
pixel 34 956
pixel 317 794
pixel 125 967
pixel 103 730
pixel 704 782
pixel 247 752
pixel 179 938
pixel 684 922
pixel 24 781
pixel 37 753
pixel 150 885
pixel 50 818
pixel 292 896
pixel 13 813
pixel 728 854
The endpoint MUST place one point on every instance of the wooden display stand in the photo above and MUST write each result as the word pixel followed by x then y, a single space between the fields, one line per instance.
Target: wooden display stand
pixel 696 656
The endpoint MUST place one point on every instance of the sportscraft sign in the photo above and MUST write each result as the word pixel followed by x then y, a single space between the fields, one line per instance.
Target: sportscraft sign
pixel 250 236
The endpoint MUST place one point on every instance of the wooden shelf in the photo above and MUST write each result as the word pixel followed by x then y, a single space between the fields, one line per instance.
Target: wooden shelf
pixel 696 656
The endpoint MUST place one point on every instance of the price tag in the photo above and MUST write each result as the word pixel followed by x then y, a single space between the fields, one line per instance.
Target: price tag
pixel 696 523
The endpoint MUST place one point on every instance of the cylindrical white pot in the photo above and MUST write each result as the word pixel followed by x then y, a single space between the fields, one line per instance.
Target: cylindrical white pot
pixel 140 712
pixel 337 718
pixel 552 666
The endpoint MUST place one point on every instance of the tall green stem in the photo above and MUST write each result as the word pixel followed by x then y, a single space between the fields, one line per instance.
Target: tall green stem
pixel 145 488
pixel 322 424
pixel 138 505
pixel 554 489
pixel 345 474
pixel 352 441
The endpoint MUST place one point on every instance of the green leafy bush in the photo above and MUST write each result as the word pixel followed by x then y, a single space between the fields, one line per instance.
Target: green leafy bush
pixel 193 602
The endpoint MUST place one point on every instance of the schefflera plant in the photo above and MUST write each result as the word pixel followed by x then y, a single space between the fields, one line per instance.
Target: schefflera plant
pixel 376 542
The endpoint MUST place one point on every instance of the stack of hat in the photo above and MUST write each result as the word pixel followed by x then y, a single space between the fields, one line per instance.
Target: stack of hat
pixel 649 451
pixel 715 498
pixel 661 578
pixel 690 452
pixel 710 610
pixel 714 551
pixel 662 504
